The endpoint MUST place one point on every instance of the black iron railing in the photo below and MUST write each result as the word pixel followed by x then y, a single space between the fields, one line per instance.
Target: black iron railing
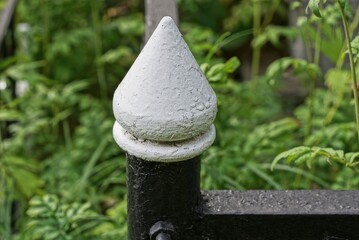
pixel 164 196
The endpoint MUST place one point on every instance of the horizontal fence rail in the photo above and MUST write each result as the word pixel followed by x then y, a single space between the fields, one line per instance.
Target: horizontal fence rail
pixel 267 215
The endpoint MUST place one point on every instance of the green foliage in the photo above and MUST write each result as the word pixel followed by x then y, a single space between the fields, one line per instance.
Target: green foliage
pixel 200 39
pixel 299 67
pixel 338 80
pixel 270 137
pixel 241 14
pixel 2 4
pixel 20 174
pixel 330 40
pixel 338 136
pixel 314 5
pixel 56 146
pixel 273 34
pixel 355 48
pixel 51 219
pixel 56 138
pixel 326 118
pixel 220 71
pixel 304 154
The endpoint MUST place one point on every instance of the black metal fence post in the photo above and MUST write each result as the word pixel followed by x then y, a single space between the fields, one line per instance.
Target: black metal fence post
pixel 162 192
pixel 164 109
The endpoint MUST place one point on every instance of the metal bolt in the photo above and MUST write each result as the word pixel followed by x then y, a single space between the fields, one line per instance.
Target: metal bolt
pixel 163 236
pixel 162 231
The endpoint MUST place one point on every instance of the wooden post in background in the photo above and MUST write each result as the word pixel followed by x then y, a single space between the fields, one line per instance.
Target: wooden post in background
pixel 155 11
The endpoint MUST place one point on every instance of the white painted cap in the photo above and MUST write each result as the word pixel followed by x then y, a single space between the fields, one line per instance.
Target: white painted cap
pixel 164 97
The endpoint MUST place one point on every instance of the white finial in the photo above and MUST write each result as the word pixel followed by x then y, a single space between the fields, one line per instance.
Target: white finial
pixel 164 106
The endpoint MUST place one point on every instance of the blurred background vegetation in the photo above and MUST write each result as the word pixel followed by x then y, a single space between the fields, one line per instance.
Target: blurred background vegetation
pixel 63 177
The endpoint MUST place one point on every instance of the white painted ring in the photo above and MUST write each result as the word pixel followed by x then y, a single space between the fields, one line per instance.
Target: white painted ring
pixel 163 151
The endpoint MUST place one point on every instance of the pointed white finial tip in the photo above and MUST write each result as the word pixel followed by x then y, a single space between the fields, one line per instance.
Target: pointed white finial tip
pixel 167 19
pixel 165 98
pixel 167 23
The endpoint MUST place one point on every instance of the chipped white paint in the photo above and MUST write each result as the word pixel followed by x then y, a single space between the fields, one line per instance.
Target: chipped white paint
pixel 165 99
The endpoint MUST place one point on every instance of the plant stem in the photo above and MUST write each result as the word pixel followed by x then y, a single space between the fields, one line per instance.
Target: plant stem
pixel 6 207
pixel 1 139
pixel 308 128
pixel 318 39
pixel 330 115
pixel 67 134
pixel 80 188
pixel 269 16
pixel 45 10
pixel 353 26
pixel 307 45
pixel 352 67
pixel 256 31
pixel 98 49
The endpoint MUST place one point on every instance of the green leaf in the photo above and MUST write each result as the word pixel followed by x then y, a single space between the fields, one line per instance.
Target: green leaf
pixel 300 67
pixel 352 157
pixel 355 48
pixel 288 154
pixel 220 71
pixel 50 218
pixel 273 35
pixel 60 117
pixel 314 6
pixel 205 67
pixel 216 46
pixel 338 80
pixel 255 168
pixel 23 173
pixel 10 115
pixel 295 5
pixel 115 55
pixel 276 68
pixel 216 73
pixel 299 171
pixel 305 154
pixel 265 135
pixel 302 21
pixel 300 157
pixel 342 3
pixel 74 87
pixel 231 65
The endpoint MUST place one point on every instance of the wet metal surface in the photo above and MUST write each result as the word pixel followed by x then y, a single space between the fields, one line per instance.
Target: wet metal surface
pixel 167 192
pixel 281 215
pixel 305 202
